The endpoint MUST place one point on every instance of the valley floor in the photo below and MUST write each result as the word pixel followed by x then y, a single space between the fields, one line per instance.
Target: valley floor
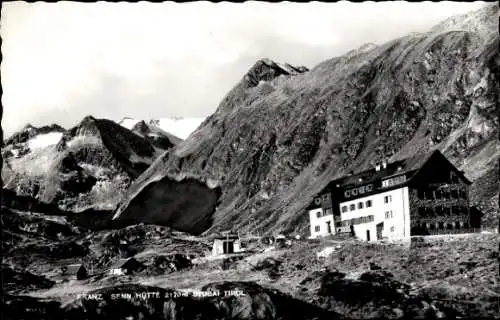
pixel 457 273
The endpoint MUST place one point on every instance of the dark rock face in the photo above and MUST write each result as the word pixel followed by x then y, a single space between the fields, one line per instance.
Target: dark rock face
pixel 25 203
pixel 187 205
pixel 22 223
pixel 375 294
pixel 18 280
pixel 277 139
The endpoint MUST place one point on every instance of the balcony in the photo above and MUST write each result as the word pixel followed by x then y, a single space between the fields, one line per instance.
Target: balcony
pixel 442 202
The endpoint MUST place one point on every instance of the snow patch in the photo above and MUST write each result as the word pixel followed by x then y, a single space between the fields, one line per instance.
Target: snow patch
pixel 177 126
pixel 44 140
pixel 128 123
pixel 180 127
pixel 79 140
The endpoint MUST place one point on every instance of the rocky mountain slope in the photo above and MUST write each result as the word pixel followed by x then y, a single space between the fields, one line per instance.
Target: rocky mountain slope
pixel 176 126
pixel 88 166
pixel 277 138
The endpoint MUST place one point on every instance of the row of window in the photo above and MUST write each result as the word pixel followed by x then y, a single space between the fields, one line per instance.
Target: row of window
pixel 355 221
pixel 324 198
pixel 441 211
pixel 323 213
pixel 443 225
pixel 360 190
pixel 393 181
pixel 361 205
pixel 442 194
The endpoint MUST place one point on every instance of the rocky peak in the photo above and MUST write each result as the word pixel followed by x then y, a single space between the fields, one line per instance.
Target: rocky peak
pixel 87 127
pixel 266 70
pixel 141 127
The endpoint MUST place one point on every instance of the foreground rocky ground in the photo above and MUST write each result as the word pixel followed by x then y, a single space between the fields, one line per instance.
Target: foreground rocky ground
pixel 439 277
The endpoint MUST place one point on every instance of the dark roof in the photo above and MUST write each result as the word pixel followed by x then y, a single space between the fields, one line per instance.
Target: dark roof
pixel 122 263
pixel 73 268
pixel 398 167
pixel 228 237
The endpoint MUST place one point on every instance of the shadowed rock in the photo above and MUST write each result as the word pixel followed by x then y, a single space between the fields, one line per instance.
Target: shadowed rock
pixel 186 205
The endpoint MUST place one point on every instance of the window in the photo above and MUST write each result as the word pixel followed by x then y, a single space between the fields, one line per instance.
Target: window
pixel 360 205
pixel 392 229
pixel 368 203
pixel 352 207
pixel 387 199
pixel 362 189
pixel 317 201
pixel 354 192
pixel 317 228
pixel 325 197
pixel 461 224
pixel 369 188
pixel 328 212
pixel 344 208
pixel 347 193
pixel 370 218
pixel 318 214
pixel 427 225
pixel 388 214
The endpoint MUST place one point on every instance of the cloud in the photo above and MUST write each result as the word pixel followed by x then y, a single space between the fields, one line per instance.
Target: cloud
pixel 67 59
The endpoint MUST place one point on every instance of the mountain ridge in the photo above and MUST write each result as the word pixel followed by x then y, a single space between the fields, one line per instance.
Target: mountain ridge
pixel 272 145
pixel 87 166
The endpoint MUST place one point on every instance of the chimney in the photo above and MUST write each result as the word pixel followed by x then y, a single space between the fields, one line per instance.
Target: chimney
pixel 377 167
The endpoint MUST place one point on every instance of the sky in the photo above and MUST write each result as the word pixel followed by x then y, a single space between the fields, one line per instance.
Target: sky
pixel 65 60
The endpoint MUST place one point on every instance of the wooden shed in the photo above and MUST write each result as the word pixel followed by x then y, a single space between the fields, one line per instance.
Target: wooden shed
pixel 75 272
pixel 226 244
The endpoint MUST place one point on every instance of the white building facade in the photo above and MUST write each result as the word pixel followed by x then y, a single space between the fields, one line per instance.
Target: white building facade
pixel 384 215
pixel 321 223
pixel 422 195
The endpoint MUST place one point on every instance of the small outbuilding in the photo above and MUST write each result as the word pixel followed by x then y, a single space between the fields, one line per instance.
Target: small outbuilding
pixel 125 266
pixel 226 244
pixel 75 272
